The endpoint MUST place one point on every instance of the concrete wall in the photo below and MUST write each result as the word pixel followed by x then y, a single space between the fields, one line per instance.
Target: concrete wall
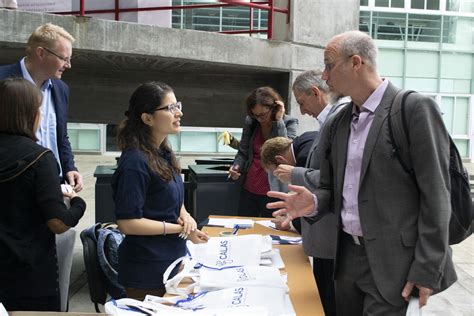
pixel 211 73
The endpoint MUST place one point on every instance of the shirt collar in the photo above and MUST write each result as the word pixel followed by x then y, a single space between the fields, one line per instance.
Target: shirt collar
pixel 373 100
pixel 46 85
pixel 324 114
pixel 293 153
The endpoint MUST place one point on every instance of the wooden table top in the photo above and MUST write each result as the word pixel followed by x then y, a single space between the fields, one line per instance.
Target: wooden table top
pixel 304 294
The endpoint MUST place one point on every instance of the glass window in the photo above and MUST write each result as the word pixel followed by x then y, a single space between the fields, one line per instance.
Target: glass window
pixel 458 31
pixel 417 4
pixel 364 2
pixel 198 141
pixel 382 3
pixel 452 5
pixel 462 86
pixel 235 18
pixel 446 85
pixel 428 59
pixel 461 116
pixel 88 140
pixel 84 137
pixel 456 66
pixel 398 4
pixel 422 84
pixel 463 147
pixel 397 81
pixel 467 6
pixel 424 28
pixel 364 22
pixel 391 62
pixel 447 109
pixel 389 26
pixel 432 4
pixel 173 141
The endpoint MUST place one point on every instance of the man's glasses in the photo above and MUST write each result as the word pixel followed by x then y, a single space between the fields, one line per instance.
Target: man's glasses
pixel 330 66
pixel 172 108
pixel 261 115
pixel 67 60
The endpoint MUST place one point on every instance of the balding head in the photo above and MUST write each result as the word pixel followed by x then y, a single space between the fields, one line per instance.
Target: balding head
pixel 356 43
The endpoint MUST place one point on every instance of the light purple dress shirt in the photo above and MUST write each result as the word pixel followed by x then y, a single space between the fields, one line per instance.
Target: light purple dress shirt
pixel 360 126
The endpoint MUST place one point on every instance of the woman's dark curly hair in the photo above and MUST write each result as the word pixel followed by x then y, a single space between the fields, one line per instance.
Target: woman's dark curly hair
pixel 265 96
pixel 134 134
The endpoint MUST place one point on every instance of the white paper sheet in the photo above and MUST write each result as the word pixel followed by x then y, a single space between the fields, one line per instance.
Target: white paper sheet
pixel 231 222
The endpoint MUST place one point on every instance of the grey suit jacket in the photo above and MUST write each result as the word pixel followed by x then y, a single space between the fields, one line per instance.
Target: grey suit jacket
pixel 405 224
pixel 318 239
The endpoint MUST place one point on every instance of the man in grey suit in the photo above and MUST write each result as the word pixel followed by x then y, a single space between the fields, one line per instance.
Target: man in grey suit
pixel 393 230
pixel 313 96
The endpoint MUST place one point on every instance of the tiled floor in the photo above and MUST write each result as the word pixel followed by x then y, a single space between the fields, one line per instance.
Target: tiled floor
pixel 458 300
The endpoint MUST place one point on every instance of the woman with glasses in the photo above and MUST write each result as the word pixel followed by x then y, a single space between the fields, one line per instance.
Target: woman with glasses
pixel 265 119
pixel 148 192
pixel 33 208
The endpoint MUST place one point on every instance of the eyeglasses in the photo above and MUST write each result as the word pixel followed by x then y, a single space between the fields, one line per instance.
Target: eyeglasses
pixel 261 115
pixel 330 66
pixel 67 60
pixel 172 108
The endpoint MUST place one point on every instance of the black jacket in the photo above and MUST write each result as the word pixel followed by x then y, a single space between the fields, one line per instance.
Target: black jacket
pixel 30 195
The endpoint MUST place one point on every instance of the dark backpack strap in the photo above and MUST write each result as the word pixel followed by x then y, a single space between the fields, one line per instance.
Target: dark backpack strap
pixel 398 131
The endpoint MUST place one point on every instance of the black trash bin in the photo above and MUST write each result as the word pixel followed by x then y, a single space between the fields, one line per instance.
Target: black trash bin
pixel 213 193
pixel 104 202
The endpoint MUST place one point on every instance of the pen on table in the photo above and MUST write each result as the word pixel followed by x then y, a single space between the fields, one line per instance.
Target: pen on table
pixel 236 229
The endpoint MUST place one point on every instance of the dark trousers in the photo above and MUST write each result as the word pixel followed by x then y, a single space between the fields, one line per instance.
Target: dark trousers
pixel 356 292
pixel 323 274
pixel 254 205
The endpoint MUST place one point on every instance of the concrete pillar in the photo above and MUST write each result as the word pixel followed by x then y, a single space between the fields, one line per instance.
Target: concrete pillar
pixel 314 22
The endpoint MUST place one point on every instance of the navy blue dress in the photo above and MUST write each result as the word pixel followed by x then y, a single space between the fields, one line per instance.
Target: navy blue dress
pixel 142 193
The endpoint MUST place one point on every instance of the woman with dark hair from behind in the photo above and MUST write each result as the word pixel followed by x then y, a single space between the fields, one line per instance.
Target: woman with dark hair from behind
pixel 265 119
pixel 149 192
pixel 33 208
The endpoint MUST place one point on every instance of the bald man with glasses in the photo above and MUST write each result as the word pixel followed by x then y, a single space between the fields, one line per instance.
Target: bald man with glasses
pixel 48 56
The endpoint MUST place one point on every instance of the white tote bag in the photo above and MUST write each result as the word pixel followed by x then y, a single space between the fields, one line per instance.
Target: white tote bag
pixel 246 276
pixel 202 278
pixel 221 252
pixel 275 300
pixel 133 307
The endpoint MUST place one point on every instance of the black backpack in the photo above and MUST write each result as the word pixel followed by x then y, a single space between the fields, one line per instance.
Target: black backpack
pixel 460 223
pixel 108 239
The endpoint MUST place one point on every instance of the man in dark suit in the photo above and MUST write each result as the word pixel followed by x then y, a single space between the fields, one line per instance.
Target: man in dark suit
pixel 313 97
pixel 48 55
pixel 393 231
pixel 294 152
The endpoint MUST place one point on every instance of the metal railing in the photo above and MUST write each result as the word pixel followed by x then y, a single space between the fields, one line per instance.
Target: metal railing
pixel 252 5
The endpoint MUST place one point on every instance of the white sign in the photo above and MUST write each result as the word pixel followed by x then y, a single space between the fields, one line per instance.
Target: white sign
pixel 45 5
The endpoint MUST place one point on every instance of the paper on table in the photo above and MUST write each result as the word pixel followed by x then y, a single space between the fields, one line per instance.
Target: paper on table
pixel 274 261
pixel 267 223
pixel 231 222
